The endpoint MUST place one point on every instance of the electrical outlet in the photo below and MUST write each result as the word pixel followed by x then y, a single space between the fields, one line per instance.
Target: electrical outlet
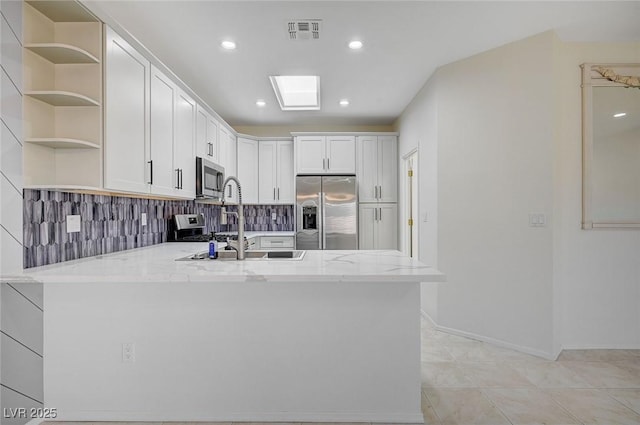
pixel 128 352
pixel 537 220
pixel 274 217
pixel 143 219
pixel 73 223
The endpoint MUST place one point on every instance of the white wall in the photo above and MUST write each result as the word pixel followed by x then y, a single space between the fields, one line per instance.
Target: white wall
pixel 418 128
pixel 11 138
pixel 598 272
pixel 506 126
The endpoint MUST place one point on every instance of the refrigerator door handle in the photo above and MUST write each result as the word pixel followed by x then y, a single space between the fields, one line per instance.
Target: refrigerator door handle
pixel 321 220
pixel 324 223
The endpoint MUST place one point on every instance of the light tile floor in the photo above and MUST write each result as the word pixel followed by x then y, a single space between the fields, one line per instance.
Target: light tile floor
pixel 467 382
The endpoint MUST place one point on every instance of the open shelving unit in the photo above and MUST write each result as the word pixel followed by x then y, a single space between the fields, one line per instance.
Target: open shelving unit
pixel 62 96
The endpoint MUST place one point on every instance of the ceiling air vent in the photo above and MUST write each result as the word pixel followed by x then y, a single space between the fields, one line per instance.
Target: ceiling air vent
pixel 304 29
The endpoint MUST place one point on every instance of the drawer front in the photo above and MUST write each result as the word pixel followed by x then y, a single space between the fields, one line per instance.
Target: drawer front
pixel 272 242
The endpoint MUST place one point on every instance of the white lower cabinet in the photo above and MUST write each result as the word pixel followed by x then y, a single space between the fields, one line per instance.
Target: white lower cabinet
pixel 277 242
pixel 378 226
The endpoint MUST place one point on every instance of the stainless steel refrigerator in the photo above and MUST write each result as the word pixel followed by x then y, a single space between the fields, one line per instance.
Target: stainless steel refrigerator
pixel 326 212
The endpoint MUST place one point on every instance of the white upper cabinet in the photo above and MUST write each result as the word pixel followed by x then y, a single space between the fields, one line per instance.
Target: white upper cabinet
pixel 184 146
pixel 164 179
pixel 248 169
pixel 126 117
pixel 285 175
pixel 341 154
pixel 310 155
pixel 325 155
pixel 276 172
pixel 206 136
pixel 228 159
pixel 377 168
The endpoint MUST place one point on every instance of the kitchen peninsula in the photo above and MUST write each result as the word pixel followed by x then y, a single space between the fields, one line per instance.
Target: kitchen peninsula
pixel 138 336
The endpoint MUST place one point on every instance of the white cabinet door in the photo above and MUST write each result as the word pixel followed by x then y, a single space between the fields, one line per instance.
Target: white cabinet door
pixel 267 167
pixel 232 155
pixel 164 177
pixel 341 155
pixel 378 226
pixel 228 155
pixel 248 169
pixel 212 139
pixel 367 170
pixel 284 172
pixel 387 226
pixel 206 135
pixel 387 169
pixel 184 144
pixel 310 155
pixel 126 116
pixel 367 226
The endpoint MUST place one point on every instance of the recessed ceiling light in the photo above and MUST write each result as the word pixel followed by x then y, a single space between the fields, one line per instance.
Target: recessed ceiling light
pixel 344 102
pixel 297 92
pixel 228 45
pixel 619 115
pixel 261 103
pixel 355 45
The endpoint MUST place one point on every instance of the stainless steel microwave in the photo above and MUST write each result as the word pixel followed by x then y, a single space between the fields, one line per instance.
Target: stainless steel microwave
pixel 209 179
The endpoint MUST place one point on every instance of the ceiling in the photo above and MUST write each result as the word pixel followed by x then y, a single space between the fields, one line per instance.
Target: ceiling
pixel 404 42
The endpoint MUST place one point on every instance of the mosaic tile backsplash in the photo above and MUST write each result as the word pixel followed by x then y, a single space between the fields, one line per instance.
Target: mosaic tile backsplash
pixel 113 223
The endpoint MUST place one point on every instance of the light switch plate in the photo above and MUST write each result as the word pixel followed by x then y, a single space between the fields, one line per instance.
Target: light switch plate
pixel 73 223
pixel 143 219
pixel 537 220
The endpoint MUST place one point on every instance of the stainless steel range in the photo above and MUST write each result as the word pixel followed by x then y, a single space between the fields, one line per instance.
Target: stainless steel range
pixel 187 228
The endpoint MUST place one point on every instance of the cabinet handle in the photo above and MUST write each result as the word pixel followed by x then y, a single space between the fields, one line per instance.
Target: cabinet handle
pixel 375 192
pixel 181 181
pixel 274 193
pixel 380 214
pixel 375 214
pixel 324 163
pixel 328 166
pixel 177 178
pixel 278 194
pixel 380 192
pixel 210 148
pixel 150 172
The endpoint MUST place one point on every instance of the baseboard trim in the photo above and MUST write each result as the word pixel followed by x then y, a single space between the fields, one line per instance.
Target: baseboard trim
pixel 112 416
pixel 601 347
pixel 497 342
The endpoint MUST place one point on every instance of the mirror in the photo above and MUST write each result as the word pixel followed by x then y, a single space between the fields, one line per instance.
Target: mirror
pixel 611 146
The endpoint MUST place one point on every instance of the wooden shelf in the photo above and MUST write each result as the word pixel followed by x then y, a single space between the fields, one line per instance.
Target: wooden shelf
pixel 62 98
pixel 62 143
pixel 61 53
pixel 63 10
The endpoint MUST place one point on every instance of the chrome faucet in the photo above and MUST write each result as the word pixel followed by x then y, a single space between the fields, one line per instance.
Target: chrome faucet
pixel 239 215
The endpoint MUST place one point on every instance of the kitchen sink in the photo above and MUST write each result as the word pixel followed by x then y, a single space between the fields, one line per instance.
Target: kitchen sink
pixel 231 255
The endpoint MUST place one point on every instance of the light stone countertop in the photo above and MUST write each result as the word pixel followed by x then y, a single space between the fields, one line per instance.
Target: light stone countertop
pixel 157 264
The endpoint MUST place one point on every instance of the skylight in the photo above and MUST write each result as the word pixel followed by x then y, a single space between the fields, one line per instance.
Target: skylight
pixel 297 92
